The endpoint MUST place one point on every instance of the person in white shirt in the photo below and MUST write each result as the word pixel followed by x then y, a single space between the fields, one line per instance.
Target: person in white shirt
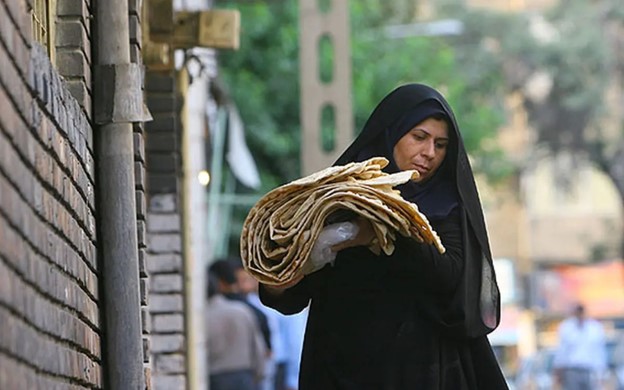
pixel 580 360
pixel 294 336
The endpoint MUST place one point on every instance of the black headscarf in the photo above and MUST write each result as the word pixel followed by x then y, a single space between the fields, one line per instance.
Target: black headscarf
pixel 475 306
pixel 437 196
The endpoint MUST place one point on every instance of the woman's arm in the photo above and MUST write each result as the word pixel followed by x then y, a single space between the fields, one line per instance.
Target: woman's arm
pixel 286 300
pixel 296 296
pixel 436 272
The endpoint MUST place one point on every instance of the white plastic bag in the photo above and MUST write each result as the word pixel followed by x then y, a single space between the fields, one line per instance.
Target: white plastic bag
pixel 322 253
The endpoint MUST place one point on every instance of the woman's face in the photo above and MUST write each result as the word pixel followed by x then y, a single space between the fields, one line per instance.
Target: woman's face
pixel 423 148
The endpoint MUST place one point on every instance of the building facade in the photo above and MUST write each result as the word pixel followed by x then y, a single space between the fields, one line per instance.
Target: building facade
pixel 50 299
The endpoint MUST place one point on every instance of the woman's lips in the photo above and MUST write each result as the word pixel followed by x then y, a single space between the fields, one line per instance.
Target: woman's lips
pixel 421 168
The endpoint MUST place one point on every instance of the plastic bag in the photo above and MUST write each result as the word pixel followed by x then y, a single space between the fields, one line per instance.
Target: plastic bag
pixel 322 253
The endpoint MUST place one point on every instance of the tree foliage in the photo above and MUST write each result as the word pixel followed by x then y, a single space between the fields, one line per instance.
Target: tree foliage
pixel 263 79
pixel 566 62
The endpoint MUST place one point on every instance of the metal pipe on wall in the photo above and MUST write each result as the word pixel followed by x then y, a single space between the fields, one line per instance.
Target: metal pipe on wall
pixel 116 206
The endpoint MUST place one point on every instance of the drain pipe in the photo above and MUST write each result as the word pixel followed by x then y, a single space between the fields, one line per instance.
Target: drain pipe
pixel 117 103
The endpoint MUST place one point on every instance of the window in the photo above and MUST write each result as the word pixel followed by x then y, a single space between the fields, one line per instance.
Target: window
pixel 43 23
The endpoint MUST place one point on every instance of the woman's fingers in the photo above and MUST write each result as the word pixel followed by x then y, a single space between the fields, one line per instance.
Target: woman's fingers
pixel 340 246
pixel 366 233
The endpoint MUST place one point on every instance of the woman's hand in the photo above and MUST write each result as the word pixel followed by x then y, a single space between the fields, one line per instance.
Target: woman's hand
pixel 364 236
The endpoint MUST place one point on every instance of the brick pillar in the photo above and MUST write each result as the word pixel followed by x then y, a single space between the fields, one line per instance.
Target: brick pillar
pixel 164 234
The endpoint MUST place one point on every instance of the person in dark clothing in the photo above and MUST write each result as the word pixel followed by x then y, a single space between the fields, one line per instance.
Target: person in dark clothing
pixel 227 285
pixel 235 349
pixel 416 319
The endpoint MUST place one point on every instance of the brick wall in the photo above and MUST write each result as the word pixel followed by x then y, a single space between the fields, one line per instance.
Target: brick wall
pixel 73 49
pixel 49 296
pixel 49 312
pixel 164 234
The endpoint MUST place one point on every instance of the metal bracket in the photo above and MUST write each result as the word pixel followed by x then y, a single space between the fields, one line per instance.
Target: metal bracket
pixel 119 94
pixel 215 28
pixel 159 20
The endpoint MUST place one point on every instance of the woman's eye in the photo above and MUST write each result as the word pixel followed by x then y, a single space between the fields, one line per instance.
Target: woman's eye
pixel 441 145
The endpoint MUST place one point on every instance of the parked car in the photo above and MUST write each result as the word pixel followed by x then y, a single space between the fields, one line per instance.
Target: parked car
pixel 615 354
pixel 535 372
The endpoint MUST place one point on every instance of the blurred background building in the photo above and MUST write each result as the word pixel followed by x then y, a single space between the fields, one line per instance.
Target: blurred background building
pixel 556 229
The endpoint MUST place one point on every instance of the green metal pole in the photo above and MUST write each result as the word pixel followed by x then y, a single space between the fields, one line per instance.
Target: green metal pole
pixel 214 195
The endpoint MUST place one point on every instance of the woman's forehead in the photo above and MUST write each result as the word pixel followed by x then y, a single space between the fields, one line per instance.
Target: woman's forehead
pixel 435 127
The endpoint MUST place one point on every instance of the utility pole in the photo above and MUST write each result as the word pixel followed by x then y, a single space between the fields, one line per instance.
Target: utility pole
pixel 333 95
pixel 118 103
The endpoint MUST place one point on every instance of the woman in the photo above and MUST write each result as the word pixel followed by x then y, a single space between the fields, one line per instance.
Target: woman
pixel 416 319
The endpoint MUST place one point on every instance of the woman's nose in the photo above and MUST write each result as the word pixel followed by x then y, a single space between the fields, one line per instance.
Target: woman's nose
pixel 429 150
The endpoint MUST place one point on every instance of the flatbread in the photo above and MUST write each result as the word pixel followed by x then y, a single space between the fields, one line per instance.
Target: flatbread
pixel 282 227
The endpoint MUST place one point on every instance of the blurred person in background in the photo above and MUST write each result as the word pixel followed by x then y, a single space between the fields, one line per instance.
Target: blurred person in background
pixel 227 284
pixel 286 335
pixel 276 362
pixel 235 349
pixel 580 360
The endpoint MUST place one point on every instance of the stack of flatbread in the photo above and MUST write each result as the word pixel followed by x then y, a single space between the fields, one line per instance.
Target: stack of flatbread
pixel 281 228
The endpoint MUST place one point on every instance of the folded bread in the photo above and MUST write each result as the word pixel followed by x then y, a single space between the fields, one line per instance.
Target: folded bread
pixel 281 228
